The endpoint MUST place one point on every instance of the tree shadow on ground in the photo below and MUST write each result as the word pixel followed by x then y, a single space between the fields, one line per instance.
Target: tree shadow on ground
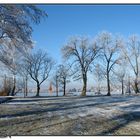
pixel 66 97
pixel 52 109
pixel 25 100
pixel 131 107
pixel 57 106
pixel 123 120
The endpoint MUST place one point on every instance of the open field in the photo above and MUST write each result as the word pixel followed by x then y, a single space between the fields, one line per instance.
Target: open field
pixel 116 115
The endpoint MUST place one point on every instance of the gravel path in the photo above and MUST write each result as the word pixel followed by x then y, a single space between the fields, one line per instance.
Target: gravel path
pixel 116 115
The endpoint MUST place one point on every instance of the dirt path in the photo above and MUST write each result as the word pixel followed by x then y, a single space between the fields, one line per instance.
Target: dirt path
pixel 117 115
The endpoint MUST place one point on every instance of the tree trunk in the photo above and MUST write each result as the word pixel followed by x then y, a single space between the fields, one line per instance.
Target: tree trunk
pixel 14 86
pixel 6 90
pixel 64 89
pixel 84 85
pixel 99 88
pixel 26 86
pixel 57 91
pixel 136 86
pixel 129 90
pixel 5 83
pixel 56 87
pixel 122 88
pixel 108 85
pixel 38 89
pixel 136 80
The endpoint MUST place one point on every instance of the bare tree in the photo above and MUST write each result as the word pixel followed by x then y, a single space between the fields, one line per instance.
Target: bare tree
pixel 99 76
pixel 132 53
pixel 39 66
pixel 110 47
pixel 128 84
pixel 25 79
pixel 25 75
pixel 64 73
pixel 120 73
pixel 82 54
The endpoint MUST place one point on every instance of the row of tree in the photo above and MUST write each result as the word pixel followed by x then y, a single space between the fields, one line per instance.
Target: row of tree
pixel 105 56
pixel 111 53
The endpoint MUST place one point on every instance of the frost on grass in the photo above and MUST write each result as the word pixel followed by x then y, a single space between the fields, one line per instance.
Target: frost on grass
pixel 116 115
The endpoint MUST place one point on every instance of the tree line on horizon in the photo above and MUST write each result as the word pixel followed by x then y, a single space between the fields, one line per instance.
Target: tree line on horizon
pixel 104 56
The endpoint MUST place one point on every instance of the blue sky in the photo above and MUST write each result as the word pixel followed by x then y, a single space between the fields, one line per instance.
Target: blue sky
pixel 65 21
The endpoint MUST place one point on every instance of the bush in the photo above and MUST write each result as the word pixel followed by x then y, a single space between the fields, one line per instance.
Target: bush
pixel 7 87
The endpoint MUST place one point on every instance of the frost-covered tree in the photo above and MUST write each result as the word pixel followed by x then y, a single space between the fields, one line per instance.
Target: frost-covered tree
pixel 132 53
pixel 82 55
pixel 99 76
pixel 11 59
pixel 24 73
pixel 120 72
pixel 64 73
pixel 55 81
pixel 15 23
pixel 15 34
pixel 39 66
pixel 110 47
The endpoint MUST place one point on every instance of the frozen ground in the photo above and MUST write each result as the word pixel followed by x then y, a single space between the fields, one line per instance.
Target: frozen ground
pixel 116 115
